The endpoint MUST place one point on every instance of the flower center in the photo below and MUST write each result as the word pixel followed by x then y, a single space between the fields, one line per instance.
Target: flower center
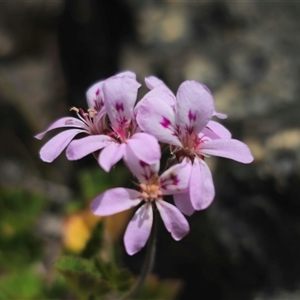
pixel 150 191
pixel 190 144
pixel 94 121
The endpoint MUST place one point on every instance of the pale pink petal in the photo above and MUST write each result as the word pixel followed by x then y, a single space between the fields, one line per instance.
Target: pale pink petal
pixel 219 130
pixel 143 171
pixel 195 106
pixel 94 96
pixel 202 190
pixel 138 229
pixel 145 147
pixel 183 203
pixel 63 122
pixel 87 145
pixel 152 82
pixel 57 144
pixel 126 73
pixel 160 90
pixel 220 115
pixel 110 155
pixel 158 118
pixel 228 148
pixel 114 201
pixel 173 219
pixel 119 98
pixel 175 179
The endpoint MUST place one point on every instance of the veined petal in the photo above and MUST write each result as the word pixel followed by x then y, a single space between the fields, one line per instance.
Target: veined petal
pixel 195 106
pixel 87 145
pixel 119 98
pixel 57 144
pixel 94 96
pixel 110 155
pixel 63 122
pixel 138 229
pixel 228 148
pixel 143 171
pixel 145 147
pixel 183 203
pixel 202 190
pixel 176 179
pixel 173 219
pixel 114 201
pixel 219 130
pixel 158 118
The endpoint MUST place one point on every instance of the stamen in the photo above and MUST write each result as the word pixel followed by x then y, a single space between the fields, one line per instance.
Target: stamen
pixel 75 109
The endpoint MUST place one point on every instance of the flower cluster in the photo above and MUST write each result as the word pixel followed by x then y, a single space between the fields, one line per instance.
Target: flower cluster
pixel 114 127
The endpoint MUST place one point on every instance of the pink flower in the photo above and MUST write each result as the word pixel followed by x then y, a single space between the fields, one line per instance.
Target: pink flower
pixel 186 125
pixel 152 188
pixel 114 97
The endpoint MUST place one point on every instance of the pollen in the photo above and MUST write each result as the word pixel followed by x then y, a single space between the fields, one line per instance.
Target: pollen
pixel 75 109
pixel 91 112
pixel 150 191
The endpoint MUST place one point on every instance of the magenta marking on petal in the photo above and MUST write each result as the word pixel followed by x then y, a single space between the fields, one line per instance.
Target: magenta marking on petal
pixel 148 174
pixel 98 92
pixel 143 164
pixel 119 106
pixel 165 122
pixel 172 180
pixel 192 116
pixel 69 122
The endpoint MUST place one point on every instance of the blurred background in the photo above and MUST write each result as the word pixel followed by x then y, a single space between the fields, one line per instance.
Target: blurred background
pixel 246 245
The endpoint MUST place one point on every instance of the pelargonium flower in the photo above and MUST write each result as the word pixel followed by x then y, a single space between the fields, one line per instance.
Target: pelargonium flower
pixel 150 196
pixel 187 127
pixel 91 122
pixel 115 98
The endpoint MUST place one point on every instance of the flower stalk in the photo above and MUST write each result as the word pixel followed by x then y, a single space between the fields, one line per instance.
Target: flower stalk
pixel 148 264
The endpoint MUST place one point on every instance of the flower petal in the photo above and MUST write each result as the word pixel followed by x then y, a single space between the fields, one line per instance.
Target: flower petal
pixel 228 148
pixel 220 115
pixel 202 190
pixel 126 73
pixel 63 122
pixel 94 96
pixel 87 145
pixel 173 219
pixel 217 128
pixel 158 118
pixel 57 144
pixel 152 82
pixel 110 155
pixel 138 229
pixel 145 147
pixel 143 171
pixel 176 179
pixel 114 201
pixel 183 203
pixel 119 98
pixel 159 89
pixel 195 106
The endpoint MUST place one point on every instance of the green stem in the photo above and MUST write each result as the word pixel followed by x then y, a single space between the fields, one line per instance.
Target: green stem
pixel 149 261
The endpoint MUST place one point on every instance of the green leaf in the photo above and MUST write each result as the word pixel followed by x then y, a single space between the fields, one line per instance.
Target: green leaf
pixel 94 278
pixel 83 277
